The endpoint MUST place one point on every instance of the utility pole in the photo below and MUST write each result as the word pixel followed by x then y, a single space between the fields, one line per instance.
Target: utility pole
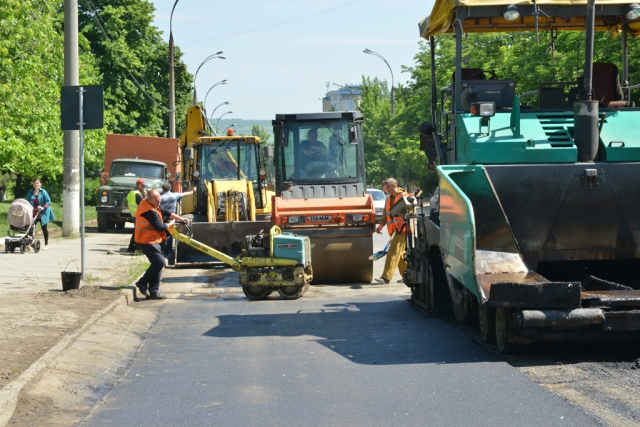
pixel 70 183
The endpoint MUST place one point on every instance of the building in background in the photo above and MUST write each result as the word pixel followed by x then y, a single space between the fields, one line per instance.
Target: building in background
pixel 344 98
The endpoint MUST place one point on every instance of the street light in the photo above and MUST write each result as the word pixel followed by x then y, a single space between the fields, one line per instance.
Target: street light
pixel 207 59
pixel 221 82
pixel 370 52
pixel 230 126
pixel 228 112
pixel 214 110
pixel 172 89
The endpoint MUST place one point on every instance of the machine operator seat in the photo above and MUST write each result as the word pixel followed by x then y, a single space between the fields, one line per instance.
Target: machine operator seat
pixel 606 86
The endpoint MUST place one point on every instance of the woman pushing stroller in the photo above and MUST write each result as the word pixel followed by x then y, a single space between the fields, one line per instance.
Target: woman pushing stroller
pixel 39 199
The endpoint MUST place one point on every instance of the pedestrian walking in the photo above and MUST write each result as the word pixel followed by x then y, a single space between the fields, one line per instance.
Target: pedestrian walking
pixel 149 233
pixel 395 225
pixel 134 198
pixel 169 203
pixel 40 200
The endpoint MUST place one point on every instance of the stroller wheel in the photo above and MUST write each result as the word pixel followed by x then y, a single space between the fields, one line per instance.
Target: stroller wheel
pixel 36 246
pixel 23 247
pixel 6 246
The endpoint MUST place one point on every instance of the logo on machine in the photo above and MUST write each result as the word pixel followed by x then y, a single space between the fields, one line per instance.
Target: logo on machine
pixel 287 246
pixel 320 218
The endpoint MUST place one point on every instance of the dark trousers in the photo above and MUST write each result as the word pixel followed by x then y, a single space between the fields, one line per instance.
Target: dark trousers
pixel 152 276
pixel 132 243
pixel 45 232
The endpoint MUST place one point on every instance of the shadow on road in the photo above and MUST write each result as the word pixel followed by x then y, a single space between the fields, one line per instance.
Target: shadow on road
pixel 371 333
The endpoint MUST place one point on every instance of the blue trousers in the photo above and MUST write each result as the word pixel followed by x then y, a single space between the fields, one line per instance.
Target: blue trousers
pixel 152 276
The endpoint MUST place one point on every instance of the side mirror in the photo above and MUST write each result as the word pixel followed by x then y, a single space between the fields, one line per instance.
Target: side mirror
pixel 353 135
pixel 188 154
pixel 284 137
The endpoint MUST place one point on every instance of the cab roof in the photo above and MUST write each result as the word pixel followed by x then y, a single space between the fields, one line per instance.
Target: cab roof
pixel 485 16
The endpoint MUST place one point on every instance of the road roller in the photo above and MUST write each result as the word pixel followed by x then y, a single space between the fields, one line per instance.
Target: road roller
pixel 321 192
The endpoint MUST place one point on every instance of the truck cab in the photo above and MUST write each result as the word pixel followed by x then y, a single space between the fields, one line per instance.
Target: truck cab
pixel 111 198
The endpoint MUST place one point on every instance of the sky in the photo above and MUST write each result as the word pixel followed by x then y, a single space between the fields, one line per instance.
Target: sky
pixel 281 54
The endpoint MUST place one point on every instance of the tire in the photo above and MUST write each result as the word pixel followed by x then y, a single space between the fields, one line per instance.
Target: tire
pixel 23 248
pixel 292 292
pixel 503 325
pixel 120 225
pixel 36 246
pixel 111 224
pixel 462 301
pixel 6 246
pixel 487 322
pixel 102 222
pixel 256 293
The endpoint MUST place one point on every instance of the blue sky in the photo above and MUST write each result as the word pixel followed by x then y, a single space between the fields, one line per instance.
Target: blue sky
pixel 285 68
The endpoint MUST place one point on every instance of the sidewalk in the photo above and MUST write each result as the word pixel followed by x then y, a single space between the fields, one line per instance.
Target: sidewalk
pixel 35 313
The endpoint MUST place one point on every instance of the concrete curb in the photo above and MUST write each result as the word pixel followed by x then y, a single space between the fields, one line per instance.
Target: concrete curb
pixel 9 394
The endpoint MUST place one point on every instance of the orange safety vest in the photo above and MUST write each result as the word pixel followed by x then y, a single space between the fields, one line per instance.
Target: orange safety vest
pixel 396 223
pixel 145 233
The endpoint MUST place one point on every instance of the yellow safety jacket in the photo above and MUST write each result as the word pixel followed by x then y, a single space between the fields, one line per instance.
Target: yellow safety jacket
pixel 131 201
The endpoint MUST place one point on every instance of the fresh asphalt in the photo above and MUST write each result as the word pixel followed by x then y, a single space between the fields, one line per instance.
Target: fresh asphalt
pixel 329 358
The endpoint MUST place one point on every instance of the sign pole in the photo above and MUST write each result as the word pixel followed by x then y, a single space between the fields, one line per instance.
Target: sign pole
pixel 81 124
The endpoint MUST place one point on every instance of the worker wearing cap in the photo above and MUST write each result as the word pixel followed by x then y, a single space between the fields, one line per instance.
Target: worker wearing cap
pixel 149 233
pixel 398 244
pixel 134 198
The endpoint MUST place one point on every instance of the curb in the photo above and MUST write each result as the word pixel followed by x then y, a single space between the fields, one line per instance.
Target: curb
pixel 9 394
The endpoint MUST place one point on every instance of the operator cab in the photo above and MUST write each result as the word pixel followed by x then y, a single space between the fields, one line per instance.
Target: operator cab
pixel 321 148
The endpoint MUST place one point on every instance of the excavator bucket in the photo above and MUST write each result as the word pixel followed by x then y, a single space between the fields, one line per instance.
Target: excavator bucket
pixel 226 237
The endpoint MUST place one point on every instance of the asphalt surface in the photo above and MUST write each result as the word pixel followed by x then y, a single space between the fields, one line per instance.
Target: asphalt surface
pixel 338 356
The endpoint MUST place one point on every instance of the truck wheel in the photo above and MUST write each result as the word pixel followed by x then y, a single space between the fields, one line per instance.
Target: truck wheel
pixel 463 301
pixel 102 222
pixel 487 321
pixel 120 225
pixel 111 224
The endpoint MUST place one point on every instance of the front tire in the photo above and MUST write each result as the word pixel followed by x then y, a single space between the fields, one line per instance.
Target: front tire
pixel 102 222
pixel 463 301
pixel 256 293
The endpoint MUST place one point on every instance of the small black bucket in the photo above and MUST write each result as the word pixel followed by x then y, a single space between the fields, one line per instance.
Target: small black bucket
pixel 70 279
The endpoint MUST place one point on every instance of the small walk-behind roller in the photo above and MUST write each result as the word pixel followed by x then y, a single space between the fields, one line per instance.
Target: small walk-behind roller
pixel 281 261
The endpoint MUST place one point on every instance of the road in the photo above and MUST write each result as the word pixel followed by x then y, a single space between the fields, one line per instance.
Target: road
pixel 341 355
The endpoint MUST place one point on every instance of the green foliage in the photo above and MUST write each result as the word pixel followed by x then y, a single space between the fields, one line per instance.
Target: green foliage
pixel 260 132
pixel 90 187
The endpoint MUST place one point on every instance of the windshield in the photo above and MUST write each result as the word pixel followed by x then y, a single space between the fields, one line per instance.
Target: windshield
pixel 318 150
pixel 377 195
pixel 222 159
pixel 137 169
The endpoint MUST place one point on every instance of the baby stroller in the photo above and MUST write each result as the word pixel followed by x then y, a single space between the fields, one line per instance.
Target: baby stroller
pixel 22 224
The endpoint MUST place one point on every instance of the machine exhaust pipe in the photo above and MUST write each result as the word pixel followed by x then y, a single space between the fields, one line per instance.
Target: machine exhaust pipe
pixel 585 111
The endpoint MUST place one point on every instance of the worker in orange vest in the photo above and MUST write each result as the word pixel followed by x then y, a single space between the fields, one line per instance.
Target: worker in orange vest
pixel 149 234
pixel 398 244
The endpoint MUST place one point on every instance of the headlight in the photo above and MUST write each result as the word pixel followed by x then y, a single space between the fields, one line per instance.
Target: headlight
pixel 294 219
pixel 356 218
pixel 104 199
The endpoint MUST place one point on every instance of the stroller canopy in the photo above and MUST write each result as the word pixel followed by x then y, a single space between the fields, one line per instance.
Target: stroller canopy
pixel 20 213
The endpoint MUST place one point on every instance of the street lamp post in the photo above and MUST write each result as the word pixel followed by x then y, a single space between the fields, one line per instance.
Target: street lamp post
pixel 207 59
pixel 370 52
pixel 214 110
pixel 172 89
pixel 221 82
pixel 228 112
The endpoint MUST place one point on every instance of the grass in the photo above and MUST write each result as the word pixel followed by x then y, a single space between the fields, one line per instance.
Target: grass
pixel 135 270
pixel 89 214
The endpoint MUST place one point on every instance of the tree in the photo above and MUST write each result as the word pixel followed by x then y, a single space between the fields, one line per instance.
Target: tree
pixel 133 61
pixel 260 132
